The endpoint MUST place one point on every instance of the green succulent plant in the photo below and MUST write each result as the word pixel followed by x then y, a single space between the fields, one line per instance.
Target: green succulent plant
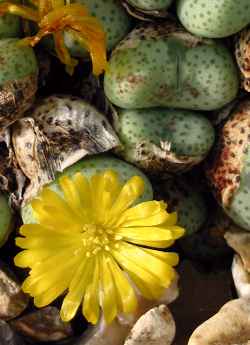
pixel 229 170
pixel 161 65
pixel 18 80
pixel 213 18
pixel 185 134
pixel 185 200
pixel 5 219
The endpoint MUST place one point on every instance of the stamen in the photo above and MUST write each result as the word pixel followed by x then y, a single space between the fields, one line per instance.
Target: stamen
pixel 107 248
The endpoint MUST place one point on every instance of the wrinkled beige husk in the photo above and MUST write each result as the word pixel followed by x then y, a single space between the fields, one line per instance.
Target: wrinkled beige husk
pixel 118 330
pixel 230 326
pixel 241 278
pixel 156 327
pixel 57 133
pixel 240 242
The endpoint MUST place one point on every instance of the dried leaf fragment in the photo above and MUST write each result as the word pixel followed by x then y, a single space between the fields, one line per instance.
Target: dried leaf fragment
pixel 59 131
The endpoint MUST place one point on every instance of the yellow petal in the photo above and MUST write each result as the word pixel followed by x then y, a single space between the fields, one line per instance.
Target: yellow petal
pixel 34 230
pixel 54 217
pixel 154 220
pixel 108 292
pixel 71 194
pixel 72 253
pixel 151 290
pixel 91 308
pixel 124 289
pixel 141 211
pixel 77 288
pixel 130 192
pixel 105 188
pixel 145 233
pixel 49 295
pixel 27 258
pixel 51 242
pixel 135 257
pixel 154 244
pixel 43 280
pixel 83 187
pixel 145 281
pixel 170 258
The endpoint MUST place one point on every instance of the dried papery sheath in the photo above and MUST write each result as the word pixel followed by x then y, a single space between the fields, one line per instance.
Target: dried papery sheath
pixel 12 179
pixel 18 81
pixel 59 132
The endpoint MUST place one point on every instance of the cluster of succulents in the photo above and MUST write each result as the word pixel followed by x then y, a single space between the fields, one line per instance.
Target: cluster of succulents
pixel 152 89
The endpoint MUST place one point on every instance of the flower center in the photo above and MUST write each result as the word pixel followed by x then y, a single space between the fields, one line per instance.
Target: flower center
pixel 96 238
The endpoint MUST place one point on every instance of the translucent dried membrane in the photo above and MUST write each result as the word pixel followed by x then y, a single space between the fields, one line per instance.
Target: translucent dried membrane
pixel 93 234
pixel 55 17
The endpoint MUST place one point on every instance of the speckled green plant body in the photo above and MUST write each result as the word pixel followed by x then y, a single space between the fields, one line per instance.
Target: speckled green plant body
pixel 151 4
pixel 5 219
pixel 116 23
pixel 16 61
pixel 10 26
pixel 188 133
pixel 151 69
pixel 186 201
pixel 214 18
pixel 239 209
pixel 92 165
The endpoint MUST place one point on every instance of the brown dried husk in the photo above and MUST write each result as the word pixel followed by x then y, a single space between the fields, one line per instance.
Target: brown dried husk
pixel 16 96
pixel 56 133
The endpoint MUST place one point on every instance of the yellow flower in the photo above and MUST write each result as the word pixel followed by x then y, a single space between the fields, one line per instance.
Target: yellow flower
pixel 93 244
pixel 55 17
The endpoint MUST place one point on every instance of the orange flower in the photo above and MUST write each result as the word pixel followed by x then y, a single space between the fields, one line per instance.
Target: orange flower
pixel 55 17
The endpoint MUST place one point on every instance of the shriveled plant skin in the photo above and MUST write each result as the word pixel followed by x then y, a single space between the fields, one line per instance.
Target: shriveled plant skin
pixel 116 23
pixel 90 166
pixel 5 219
pixel 150 4
pixel 185 200
pixel 214 18
pixel 242 53
pixel 10 25
pixel 162 65
pixel 18 80
pixel 159 139
pixel 229 169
